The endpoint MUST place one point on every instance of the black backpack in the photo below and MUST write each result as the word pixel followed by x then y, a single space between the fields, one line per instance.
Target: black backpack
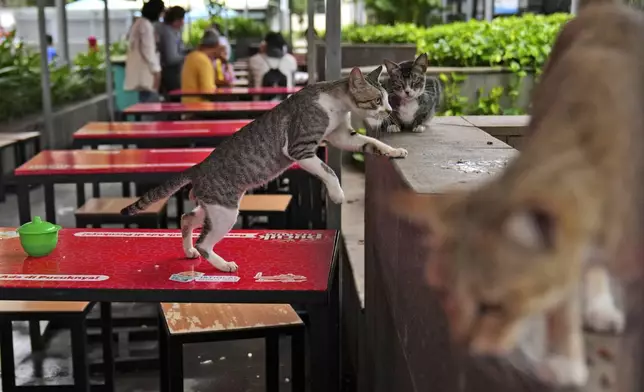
pixel 273 78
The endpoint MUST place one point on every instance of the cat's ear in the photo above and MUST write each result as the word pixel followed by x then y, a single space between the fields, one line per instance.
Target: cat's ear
pixel 532 228
pixel 391 66
pixel 422 62
pixel 356 79
pixel 375 75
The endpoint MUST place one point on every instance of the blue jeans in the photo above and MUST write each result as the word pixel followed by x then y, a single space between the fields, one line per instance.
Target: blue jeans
pixel 148 96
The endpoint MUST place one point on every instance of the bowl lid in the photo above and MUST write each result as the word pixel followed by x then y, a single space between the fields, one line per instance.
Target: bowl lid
pixel 38 226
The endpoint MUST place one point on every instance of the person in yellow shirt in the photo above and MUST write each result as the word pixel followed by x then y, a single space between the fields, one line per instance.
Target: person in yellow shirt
pixel 198 73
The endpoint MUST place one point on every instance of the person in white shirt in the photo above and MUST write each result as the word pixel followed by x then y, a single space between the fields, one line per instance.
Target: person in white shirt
pixel 143 67
pixel 273 57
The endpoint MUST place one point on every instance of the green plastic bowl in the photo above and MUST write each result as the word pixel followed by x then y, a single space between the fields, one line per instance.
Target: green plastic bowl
pixel 38 238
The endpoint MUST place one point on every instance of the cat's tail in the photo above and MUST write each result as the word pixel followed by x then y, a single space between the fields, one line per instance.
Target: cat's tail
pixel 157 193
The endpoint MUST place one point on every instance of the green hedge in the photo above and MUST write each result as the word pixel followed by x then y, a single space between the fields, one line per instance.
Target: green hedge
pixel 21 86
pixel 521 42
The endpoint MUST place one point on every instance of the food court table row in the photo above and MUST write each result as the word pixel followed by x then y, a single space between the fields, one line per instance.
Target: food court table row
pixel 140 166
pixel 214 110
pixel 115 265
pixel 236 92
pixel 156 133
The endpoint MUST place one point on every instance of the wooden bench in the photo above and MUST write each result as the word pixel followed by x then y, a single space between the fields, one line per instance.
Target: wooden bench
pixel 106 210
pixel 273 206
pixel 199 323
pixel 70 315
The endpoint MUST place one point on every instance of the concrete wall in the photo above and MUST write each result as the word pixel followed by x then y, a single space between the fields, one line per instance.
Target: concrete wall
pixel 407 344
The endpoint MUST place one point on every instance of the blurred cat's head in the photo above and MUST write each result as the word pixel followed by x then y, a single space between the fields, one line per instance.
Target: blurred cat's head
pixel 369 98
pixel 407 79
pixel 495 260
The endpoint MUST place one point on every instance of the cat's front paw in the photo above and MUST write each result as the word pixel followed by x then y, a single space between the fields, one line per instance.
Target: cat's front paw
pixel 229 266
pixel 336 195
pixel 396 153
pixel 601 315
pixel 191 253
pixel 419 128
pixel 393 128
pixel 560 371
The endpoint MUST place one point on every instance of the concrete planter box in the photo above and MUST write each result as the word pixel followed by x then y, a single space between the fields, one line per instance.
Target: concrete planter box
pixel 361 55
pixel 66 120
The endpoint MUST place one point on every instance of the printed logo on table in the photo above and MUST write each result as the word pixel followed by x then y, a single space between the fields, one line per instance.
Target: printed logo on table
pixel 282 278
pixel 194 276
pixel 290 237
pixel 54 278
pixel 8 234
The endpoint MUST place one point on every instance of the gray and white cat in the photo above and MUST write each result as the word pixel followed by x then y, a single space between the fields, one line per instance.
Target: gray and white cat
pixel 266 147
pixel 413 97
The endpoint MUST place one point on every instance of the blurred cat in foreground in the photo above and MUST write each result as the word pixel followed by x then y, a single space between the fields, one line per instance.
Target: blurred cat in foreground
pixel 541 237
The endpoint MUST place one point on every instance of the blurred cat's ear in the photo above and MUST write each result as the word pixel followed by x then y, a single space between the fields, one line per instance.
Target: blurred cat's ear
pixel 532 228
pixel 422 62
pixel 391 66
pixel 375 75
pixel 356 79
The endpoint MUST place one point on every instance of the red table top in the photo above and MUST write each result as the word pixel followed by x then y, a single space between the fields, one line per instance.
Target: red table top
pixel 196 107
pixel 70 162
pixel 241 91
pixel 156 129
pixel 118 259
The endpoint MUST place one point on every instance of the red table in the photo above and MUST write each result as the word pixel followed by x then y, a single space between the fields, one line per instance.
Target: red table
pixel 102 166
pixel 216 110
pixel 237 92
pixel 112 265
pixel 156 134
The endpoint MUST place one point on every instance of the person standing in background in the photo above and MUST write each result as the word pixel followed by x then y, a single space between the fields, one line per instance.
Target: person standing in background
pixel 171 48
pixel 143 67
pixel 51 49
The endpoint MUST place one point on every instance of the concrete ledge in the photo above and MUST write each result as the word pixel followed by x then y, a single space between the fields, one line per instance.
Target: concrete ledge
pixel 407 337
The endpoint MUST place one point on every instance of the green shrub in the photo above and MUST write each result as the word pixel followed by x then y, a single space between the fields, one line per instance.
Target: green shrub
pixel 21 86
pixel 520 42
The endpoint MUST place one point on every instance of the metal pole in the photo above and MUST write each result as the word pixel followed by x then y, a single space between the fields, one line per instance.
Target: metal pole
pixel 109 83
pixel 44 78
pixel 574 7
pixel 63 38
pixel 333 71
pixel 489 9
pixel 311 47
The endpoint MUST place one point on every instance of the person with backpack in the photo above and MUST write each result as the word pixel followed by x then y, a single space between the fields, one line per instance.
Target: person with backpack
pixel 274 66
